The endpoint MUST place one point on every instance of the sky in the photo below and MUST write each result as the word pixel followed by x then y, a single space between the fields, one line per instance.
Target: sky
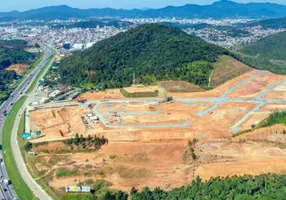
pixel 22 5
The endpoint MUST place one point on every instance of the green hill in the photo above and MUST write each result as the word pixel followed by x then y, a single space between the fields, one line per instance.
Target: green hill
pixel 154 52
pixel 11 52
pixel 270 23
pixel 268 53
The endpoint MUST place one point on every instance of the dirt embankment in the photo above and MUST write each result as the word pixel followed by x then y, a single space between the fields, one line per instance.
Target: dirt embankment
pixel 18 68
pixel 274 134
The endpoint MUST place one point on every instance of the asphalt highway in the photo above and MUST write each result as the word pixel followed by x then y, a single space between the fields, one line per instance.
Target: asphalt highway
pixel 8 192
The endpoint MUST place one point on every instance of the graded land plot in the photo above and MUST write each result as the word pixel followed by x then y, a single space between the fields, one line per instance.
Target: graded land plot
pixel 58 122
pixel 192 107
pixel 107 94
pixel 154 119
pixel 255 86
pixel 275 95
pixel 243 158
pixel 226 69
pixel 274 134
pixel 280 88
pixel 125 107
pixel 224 116
pixel 141 89
pixel 220 89
pixel 273 107
pixel 253 120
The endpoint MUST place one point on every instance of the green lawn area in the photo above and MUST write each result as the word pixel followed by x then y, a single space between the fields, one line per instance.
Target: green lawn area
pixel 64 172
pixel 22 190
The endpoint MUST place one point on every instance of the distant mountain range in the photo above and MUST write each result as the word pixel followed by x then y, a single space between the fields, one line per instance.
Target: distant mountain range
pixel 218 10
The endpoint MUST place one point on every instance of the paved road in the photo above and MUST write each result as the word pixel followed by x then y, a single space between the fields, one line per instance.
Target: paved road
pixel 6 107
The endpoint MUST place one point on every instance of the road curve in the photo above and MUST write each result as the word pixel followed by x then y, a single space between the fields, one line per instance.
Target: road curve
pixel 7 106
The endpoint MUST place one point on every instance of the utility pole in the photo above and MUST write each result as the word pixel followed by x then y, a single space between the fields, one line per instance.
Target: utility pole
pixel 134 80
pixel 265 179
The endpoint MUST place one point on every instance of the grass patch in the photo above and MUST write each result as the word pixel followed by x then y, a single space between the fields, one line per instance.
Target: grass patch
pixel 226 69
pixel 138 94
pixel 242 133
pixel 78 197
pixel 22 190
pixel 64 172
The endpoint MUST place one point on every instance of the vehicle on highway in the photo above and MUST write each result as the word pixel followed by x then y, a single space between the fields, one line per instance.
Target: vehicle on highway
pixel 7 182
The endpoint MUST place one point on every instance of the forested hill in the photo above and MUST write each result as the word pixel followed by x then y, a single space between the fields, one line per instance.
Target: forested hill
pixel 154 52
pixel 268 53
pixel 12 52
pixel 270 23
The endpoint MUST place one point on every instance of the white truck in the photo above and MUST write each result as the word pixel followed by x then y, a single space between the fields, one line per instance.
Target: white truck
pixel 6 181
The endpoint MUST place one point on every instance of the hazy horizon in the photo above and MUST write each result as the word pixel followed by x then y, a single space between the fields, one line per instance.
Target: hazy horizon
pixel 21 5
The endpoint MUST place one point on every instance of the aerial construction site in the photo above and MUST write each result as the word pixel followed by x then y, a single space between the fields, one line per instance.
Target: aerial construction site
pixel 148 137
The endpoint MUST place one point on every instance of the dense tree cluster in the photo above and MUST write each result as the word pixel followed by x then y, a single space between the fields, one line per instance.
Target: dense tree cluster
pixel 154 52
pixel 264 187
pixel 12 52
pixel 274 118
pixel 6 78
pixel 79 140
pixel 268 53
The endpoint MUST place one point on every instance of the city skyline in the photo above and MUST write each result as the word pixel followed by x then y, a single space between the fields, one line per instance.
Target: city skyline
pixel 125 4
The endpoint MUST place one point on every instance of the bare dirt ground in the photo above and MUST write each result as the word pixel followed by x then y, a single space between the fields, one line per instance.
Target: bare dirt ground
pixel 18 68
pixel 273 107
pixel 280 88
pixel 276 95
pixel 255 86
pixel 163 164
pixel 253 120
pixel 160 157
pixel 271 134
pixel 58 122
pixel 141 89
pixel 108 94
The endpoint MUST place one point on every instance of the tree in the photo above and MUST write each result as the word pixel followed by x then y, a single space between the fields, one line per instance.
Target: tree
pixel 28 146
pixel 81 140
pixel 121 196
pixel 76 139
